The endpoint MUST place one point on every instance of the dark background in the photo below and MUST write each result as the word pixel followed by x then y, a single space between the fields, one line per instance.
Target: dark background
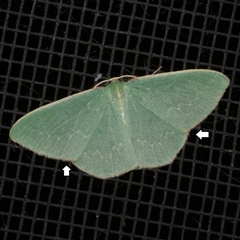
pixel 52 49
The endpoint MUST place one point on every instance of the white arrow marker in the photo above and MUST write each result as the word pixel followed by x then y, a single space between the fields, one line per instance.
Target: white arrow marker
pixel 66 171
pixel 202 134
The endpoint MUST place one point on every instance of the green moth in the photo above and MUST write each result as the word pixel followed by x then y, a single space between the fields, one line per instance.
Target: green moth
pixel 108 131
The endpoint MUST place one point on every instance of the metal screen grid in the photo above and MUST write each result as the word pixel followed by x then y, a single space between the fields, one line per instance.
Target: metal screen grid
pixel 50 50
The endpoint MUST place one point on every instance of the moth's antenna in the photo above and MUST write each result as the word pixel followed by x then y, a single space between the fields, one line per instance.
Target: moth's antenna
pixel 156 70
pixel 113 79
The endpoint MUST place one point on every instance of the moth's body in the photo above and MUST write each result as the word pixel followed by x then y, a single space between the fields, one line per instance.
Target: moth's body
pixel 127 125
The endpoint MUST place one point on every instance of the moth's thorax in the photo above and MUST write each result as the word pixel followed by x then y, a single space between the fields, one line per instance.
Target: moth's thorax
pixel 117 89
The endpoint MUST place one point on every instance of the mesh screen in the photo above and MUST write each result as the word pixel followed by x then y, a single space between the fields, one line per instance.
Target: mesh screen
pixel 51 49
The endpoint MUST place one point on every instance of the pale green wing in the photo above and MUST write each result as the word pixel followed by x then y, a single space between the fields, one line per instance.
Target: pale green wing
pixel 182 98
pixel 83 128
pixel 162 108
pixel 62 129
